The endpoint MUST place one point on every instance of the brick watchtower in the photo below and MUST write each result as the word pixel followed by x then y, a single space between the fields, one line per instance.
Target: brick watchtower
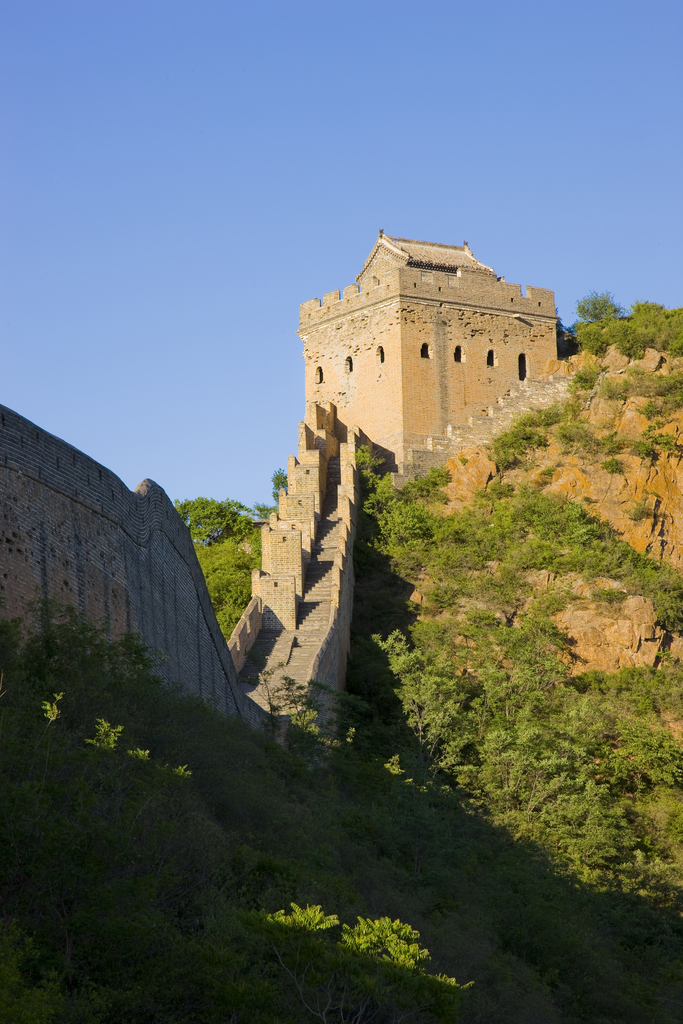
pixel 428 340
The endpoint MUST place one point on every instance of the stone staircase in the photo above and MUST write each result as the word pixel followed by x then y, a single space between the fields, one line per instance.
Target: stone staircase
pixel 291 652
pixel 521 397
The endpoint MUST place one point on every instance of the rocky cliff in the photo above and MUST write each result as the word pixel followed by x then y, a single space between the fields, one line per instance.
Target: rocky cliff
pixel 616 447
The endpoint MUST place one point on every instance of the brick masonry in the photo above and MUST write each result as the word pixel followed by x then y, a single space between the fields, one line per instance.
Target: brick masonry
pixel 74 533
pixel 428 351
pixel 428 340
pixel 298 621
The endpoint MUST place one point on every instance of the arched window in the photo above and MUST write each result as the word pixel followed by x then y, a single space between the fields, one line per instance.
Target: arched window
pixel 489 358
pixel 424 351
pixel 348 364
pixel 380 354
pixel 319 375
pixel 457 355
pixel 521 362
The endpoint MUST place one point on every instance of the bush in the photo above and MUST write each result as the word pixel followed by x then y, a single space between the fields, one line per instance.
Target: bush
pixel 575 437
pixel 649 325
pixel 612 466
pixel 584 380
pixel 641 510
pixel 527 433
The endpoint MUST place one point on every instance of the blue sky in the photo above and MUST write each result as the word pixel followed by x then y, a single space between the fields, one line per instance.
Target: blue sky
pixel 176 176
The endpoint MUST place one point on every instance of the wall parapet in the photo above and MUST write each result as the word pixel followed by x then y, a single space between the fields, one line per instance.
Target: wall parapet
pixel 322 489
pixel 245 632
pixel 79 536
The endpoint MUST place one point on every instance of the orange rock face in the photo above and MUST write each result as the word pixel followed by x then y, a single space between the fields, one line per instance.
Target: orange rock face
pixel 469 474
pixel 610 637
pixel 643 502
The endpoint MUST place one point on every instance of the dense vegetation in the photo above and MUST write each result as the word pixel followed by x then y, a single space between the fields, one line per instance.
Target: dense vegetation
pixel 648 325
pixel 228 546
pixel 528 825
pixel 148 845
pixel 485 684
pixel 160 864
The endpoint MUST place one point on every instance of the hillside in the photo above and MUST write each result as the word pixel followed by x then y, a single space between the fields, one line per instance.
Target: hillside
pixel 504 773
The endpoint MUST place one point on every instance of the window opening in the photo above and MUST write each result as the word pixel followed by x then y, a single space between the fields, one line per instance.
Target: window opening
pixel 424 351
pixel 380 354
pixel 522 366
pixel 348 365
pixel 457 355
pixel 489 357
pixel 319 375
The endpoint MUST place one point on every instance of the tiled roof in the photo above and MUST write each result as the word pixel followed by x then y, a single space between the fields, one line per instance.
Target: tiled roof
pixel 436 256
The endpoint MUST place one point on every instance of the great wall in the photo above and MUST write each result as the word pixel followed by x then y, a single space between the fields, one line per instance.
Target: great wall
pixel 427 353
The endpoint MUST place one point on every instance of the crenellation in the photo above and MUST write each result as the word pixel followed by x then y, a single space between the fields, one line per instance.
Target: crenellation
pixel 433 339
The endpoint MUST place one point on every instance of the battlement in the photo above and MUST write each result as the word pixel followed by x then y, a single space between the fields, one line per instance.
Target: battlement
pixel 463 289
pixel 426 338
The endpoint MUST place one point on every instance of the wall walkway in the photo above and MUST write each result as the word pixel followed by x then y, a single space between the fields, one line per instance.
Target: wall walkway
pixel 305 591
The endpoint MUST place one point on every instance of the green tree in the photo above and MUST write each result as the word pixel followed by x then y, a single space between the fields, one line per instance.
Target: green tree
pixel 211 521
pixel 598 306
pixel 279 479
pixel 376 967
pixel 21 1002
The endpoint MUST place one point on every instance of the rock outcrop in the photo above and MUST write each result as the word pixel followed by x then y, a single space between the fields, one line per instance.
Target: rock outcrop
pixel 639 495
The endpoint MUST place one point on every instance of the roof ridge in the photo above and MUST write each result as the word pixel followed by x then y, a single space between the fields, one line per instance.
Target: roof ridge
pixel 437 245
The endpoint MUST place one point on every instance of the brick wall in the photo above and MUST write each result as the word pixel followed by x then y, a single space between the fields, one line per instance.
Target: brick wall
pixel 73 532
pixel 407 357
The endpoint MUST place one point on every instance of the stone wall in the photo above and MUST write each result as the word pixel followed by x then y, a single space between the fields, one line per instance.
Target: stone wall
pixel 329 664
pixel 419 352
pixel 304 591
pixel 73 532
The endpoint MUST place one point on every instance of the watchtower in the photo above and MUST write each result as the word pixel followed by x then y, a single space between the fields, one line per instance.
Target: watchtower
pixel 427 339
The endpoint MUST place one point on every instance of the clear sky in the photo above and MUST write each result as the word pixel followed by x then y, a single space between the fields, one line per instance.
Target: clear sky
pixel 176 176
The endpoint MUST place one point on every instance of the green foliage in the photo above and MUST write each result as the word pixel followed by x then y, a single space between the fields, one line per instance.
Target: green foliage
pixel 486 703
pixel 140 867
pixel 641 510
pixel 227 569
pixel 212 522
pixel 527 433
pixel 228 547
pixel 612 465
pixel 583 767
pixel 375 967
pixel 21 1001
pixel 140 881
pixel 279 480
pixel 579 437
pixel 598 306
pixel 584 379
pixel 648 325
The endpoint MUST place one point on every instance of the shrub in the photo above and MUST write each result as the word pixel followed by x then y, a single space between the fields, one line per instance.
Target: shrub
pixel 612 466
pixel 615 389
pixel 641 510
pixel 575 437
pixel 649 325
pixel 527 433
pixel 585 379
